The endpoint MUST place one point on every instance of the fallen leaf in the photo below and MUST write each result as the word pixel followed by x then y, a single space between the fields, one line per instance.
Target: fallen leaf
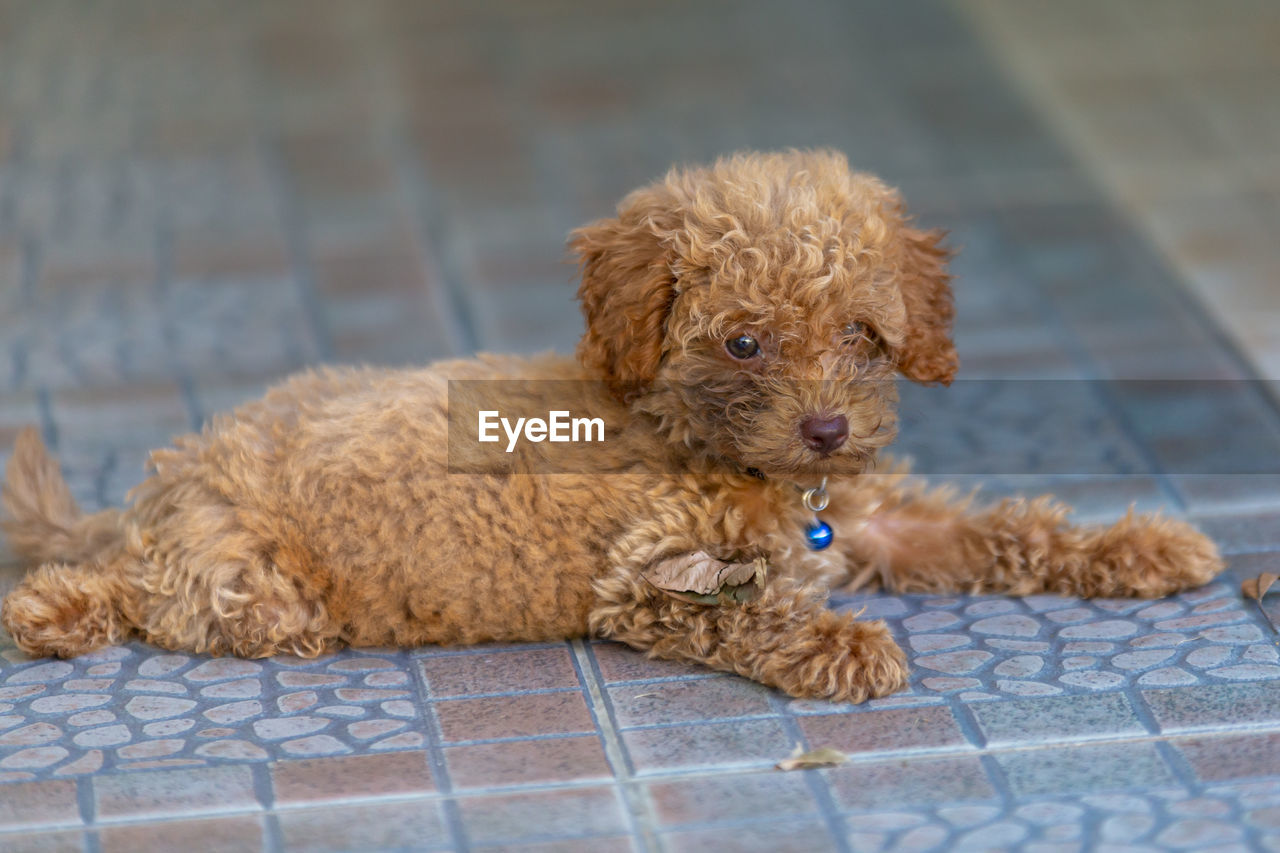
pixel 699 578
pixel 1257 587
pixel 699 573
pixel 823 756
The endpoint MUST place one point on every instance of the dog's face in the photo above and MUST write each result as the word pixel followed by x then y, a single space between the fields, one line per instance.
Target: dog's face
pixel 760 308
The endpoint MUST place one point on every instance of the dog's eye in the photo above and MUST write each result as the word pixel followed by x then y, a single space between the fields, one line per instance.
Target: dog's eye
pixel 742 347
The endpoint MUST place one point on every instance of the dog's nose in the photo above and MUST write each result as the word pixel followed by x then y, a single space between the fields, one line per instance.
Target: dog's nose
pixel 824 434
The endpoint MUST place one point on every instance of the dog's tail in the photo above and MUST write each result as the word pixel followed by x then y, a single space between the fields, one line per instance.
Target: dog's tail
pixel 74 600
pixel 42 521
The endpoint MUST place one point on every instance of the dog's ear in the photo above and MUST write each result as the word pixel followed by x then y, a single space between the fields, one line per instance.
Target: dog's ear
pixel 627 290
pixel 927 353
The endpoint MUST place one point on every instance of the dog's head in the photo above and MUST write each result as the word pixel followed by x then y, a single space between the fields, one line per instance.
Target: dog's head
pixel 760 307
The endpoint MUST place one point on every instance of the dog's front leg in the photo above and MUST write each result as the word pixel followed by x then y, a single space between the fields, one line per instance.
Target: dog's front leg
pixel 786 637
pixel 918 540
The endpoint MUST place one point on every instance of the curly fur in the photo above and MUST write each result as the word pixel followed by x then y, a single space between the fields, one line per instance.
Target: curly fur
pixel 325 513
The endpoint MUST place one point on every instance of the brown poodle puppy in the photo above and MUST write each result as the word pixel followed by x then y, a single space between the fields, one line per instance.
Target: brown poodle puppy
pixel 743 323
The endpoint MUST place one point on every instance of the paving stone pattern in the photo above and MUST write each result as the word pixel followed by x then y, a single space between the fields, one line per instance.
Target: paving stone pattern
pixel 197 199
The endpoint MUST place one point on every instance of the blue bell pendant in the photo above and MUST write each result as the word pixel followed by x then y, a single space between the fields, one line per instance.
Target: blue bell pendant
pixel 818 534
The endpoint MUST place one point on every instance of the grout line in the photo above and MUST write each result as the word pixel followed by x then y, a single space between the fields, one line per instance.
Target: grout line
pixel 48 427
pixel 1179 767
pixel 505 694
pixel 967 722
pixel 541 736
pixel 997 778
pixel 264 789
pixel 664 679
pixel 635 798
pixel 700 722
pixel 445 280
pixel 436 763
pixel 1142 711
pixel 84 798
pixel 32 257
pixel 431 652
pixel 819 789
pixel 293 224
pixel 272 834
pixel 164 251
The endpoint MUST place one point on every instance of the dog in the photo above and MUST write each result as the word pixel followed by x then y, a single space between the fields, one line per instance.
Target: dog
pixel 745 322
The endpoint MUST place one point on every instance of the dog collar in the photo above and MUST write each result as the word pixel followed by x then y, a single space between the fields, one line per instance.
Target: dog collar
pixel 817 533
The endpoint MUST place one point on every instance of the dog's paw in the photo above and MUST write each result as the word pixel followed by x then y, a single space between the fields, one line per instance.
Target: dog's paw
pixel 1153 556
pixel 861 661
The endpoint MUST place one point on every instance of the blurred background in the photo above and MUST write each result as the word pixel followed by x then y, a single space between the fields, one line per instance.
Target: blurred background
pixel 199 197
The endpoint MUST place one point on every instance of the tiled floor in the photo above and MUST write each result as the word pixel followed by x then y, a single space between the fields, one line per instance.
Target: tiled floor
pixel 198 198
pixel 1172 106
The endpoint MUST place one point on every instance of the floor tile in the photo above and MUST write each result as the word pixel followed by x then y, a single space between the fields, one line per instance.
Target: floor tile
pixel 1173 417
pixel 1056 719
pixel 215 835
pixel 1220 758
pixel 1012 428
pixel 45 842
pixel 778 835
pixel 414 824
pixel 595 844
pixel 500 672
pixel 524 762
pixel 715 745
pixel 1244 533
pixel 513 716
pixel 1084 769
pixel 910 784
pixel 568 813
pixel 1238 493
pixel 26 805
pixel 737 797
pixel 621 663
pixel 891 730
pixel 317 780
pixel 1215 706
pixel 685 701
pixel 171 793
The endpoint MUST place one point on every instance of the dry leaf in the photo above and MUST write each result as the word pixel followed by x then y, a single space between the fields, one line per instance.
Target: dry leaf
pixel 699 573
pixel 823 756
pixel 1257 587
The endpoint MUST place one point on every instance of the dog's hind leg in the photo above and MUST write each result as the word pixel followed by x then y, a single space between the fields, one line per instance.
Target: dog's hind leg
pixel 926 541
pixel 786 638
pixel 235 599
pixel 67 610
